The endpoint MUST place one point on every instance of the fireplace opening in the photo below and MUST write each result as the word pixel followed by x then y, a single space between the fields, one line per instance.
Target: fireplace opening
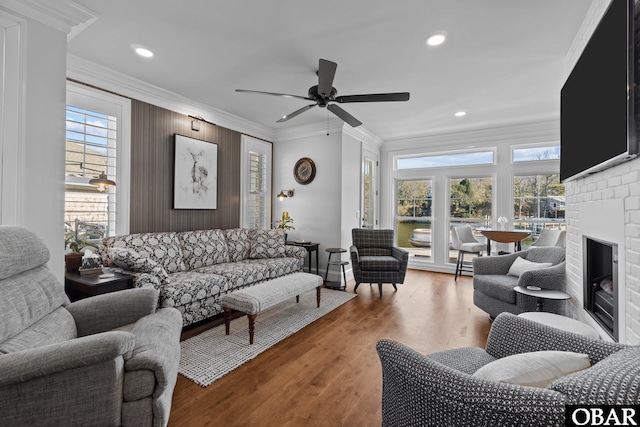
pixel 600 260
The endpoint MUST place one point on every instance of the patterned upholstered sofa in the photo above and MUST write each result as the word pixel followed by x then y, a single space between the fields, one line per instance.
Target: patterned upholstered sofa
pixel 192 269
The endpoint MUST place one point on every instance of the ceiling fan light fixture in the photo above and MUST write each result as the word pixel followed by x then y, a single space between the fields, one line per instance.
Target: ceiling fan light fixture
pixel 436 39
pixel 460 113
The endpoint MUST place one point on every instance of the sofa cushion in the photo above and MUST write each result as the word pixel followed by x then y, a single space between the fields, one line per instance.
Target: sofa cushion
pixel 267 244
pixel 194 294
pixel 535 369
pixel 238 274
pixel 238 243
pixel 203 247
pixel 131 260
pixel 497 286
pixel 276 267
pixel 164 248
pixel 521 265
pixel 615 380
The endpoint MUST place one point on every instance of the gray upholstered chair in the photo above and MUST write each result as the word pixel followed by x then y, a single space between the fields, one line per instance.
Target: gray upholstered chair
pixel 550 237
pixel 493 288
pixel 440 390
pixel 108 360
pixel 463 240
pixel 374 258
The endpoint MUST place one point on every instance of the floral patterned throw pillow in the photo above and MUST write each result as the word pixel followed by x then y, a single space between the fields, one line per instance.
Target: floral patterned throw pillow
pixel 202 248
pixel 238 244
pixel 131 260
pixel 267 244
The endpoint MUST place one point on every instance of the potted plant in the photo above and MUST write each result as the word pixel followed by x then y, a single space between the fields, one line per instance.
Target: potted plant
pixel 79 235
pixel 285 223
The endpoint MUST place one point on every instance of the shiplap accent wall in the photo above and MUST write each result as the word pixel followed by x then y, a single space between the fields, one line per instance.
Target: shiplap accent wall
pixel 152 154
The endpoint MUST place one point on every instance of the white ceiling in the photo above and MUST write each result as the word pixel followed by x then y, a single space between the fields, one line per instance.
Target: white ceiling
pixel 503 62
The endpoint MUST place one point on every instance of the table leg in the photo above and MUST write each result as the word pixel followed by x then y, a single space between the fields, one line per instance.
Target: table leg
pixel 539 304
pixel 488 246
pixel 316 262
pixel 326 273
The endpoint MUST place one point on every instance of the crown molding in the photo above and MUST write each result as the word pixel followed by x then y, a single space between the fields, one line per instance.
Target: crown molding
pixel 65 16
pixel 96 75
pixel 534 132
pixel 364 135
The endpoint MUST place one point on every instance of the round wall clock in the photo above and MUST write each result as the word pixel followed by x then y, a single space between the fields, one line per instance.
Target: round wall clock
pixel 304 171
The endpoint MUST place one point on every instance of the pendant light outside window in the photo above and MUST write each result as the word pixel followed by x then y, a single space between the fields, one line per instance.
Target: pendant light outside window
pixel 102 182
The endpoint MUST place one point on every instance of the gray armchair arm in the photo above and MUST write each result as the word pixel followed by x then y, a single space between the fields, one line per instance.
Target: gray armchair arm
pixel 511 334
pixel 495 264
pixel 552 278
pixel 26 365
pixel 355 256
pixel 420 391
pixel 109 311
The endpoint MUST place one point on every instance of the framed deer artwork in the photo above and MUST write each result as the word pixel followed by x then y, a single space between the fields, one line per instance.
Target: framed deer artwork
pixel 195 174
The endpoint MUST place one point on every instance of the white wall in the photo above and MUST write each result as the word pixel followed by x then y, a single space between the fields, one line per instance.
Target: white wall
pixel 315 207
pixel 38 149
pixel 351 196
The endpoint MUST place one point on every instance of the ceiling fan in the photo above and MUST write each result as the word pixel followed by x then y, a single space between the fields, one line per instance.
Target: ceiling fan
pixel 325 95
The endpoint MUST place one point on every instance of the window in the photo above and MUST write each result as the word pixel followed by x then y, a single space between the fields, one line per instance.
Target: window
pixel 256 184
pixel 97 142
pixel 538 203
pixel 90 151
pixel 534 154
pixel 470 202
pixel 414 206
pixel 445 160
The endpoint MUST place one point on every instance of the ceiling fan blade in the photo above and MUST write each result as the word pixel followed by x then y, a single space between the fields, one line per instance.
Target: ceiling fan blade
pixel 274 94
pixel 338 111
pixel 295 113
pixel 374 97
pixel 326 73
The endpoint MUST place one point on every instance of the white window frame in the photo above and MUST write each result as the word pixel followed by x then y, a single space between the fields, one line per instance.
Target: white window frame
pixel 249 145
pixel 99 101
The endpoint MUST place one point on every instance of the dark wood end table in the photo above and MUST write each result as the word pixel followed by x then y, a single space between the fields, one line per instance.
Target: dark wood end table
pixel 79 286
pixel 310 247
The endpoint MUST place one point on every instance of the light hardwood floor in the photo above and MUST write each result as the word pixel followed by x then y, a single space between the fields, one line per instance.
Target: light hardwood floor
pixel 328 374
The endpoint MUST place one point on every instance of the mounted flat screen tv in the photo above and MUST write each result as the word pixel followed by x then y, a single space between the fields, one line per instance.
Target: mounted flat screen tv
pixel 598 127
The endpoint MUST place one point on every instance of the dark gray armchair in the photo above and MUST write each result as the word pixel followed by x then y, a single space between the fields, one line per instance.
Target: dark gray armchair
pixel 440 390
pixel 109 360
pixel 374 258
pixel 493 289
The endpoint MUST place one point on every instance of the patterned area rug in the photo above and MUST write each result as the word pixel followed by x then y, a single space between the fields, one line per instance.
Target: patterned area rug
pixel 212 354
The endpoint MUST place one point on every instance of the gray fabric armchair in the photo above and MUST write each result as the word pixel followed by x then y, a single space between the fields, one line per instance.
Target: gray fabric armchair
pixel 374 258
pixel 493 288
pixel 108 360
pixel 439 389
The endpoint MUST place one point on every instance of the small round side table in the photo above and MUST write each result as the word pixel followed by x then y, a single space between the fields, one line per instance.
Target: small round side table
pixel 542 294
pixel 339 262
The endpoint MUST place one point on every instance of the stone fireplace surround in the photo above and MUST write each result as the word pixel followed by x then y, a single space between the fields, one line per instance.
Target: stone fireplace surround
pixel 606 206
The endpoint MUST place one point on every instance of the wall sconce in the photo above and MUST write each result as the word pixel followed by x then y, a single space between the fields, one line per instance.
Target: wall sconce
pixel 284 194
pixel 102 182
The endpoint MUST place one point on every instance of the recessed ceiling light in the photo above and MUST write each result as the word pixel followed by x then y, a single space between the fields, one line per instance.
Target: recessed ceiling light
pixel 142 51
pixel 436 39
pixel 460 113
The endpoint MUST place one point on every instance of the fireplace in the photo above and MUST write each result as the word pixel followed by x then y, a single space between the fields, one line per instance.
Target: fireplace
pixel 601 283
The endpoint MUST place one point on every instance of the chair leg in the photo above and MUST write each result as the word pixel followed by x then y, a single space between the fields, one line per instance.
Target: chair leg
pixel 394 286
pixel 356 287
pixel 458 265
pixel 380 289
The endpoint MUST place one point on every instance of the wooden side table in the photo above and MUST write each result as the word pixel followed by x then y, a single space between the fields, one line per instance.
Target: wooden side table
pixel 336 285
pixel 310 247
pixel 78 286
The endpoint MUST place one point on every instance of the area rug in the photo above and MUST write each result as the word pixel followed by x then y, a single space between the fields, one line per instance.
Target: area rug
pixel 212 354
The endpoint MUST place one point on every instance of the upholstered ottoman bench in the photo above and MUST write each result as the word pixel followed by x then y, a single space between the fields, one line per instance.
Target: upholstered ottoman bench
pixel 265 295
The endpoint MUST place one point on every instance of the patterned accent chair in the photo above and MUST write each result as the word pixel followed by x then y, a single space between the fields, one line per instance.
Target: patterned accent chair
pixel 106 360
pixel 440 390
pixel 374 258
